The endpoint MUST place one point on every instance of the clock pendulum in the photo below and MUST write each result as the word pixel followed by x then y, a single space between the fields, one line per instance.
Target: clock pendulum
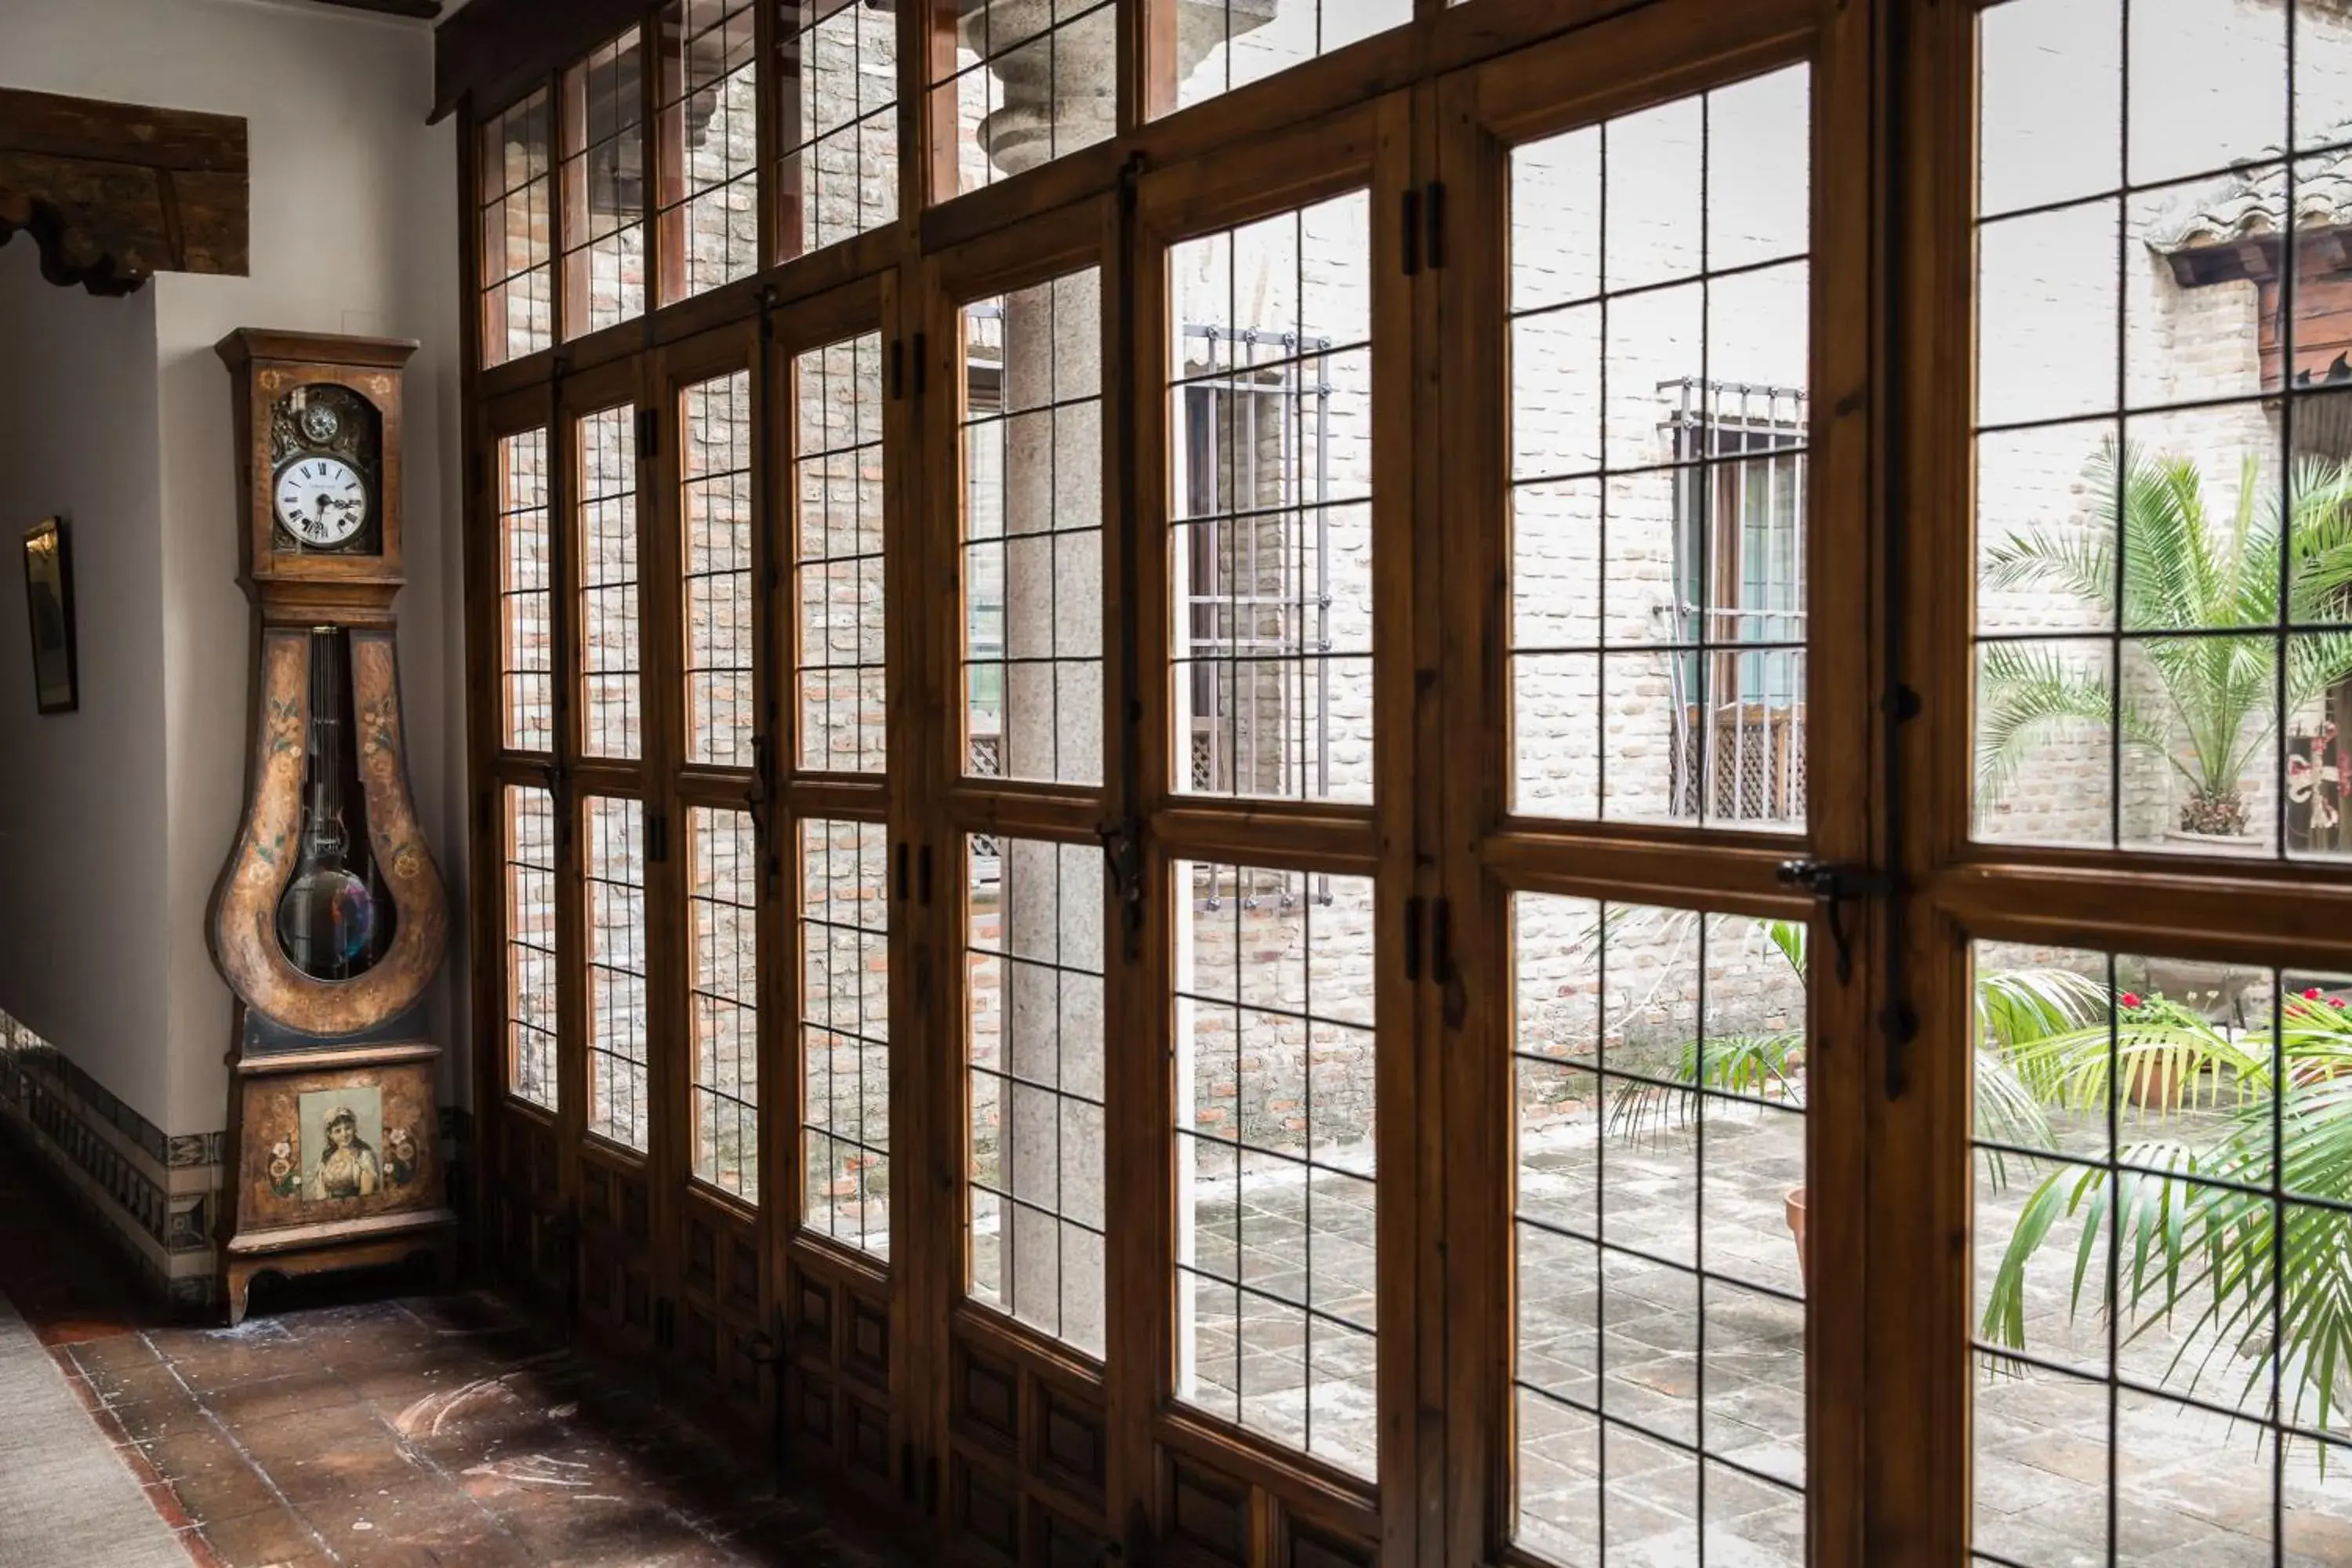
pixel 329 920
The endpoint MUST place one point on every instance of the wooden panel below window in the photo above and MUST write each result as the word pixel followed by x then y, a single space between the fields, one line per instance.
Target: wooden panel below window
pixel 1070 1443
pixel 987 1510
pixel 868 1352
pixel 1207 1516
pixel 987 1400
pixel 868 1429
pixel 743 1274
pixel 812 1317
pixel 1057 1543
pixel 1312 1549
pixel 812 1410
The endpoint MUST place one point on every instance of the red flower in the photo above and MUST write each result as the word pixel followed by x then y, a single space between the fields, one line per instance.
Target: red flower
pixel 2335 1001
pixel 2131 998
pixel 2312 995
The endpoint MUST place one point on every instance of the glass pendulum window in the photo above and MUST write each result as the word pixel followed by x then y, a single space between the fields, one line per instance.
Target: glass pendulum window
pixel 333 920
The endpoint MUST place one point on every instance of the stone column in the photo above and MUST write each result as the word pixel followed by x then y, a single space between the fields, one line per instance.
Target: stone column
pixel 1058 97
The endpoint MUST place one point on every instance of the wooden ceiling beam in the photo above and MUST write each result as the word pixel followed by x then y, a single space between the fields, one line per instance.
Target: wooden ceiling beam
pixel 115 193
pixel 424 10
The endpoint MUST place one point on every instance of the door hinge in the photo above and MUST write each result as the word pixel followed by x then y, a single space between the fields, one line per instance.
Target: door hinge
pixel 482 474
pixel 559 795
pixel 762 799
pixel 482 814
pixel 656 837
pixel 1833 886
pixel 922 363
pixel 1415 909
pixel 648 434
pixel 1442 967
pixel 897 370
pixel 906 856
pixel 1422 227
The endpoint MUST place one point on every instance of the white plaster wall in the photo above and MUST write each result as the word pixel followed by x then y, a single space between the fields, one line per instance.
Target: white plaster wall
pixel 353 231
pixel 83 849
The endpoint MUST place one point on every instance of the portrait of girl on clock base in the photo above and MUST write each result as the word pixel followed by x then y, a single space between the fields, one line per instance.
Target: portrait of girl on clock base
pixel 342 1131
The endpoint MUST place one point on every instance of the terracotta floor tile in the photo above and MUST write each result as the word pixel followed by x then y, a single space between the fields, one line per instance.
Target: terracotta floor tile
pixel 169 1414
pixel 225 1358
pixel 267 1535
pixel 165 1502
pixel 382 1519
pixel 131 1383
pixel 116 1353
pixel 200 1552
pixel 452 1427
pixel 360 1461
pixel 225 1487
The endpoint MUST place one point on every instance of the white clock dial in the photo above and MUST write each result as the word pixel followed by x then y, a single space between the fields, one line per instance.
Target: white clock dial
pixel 322 501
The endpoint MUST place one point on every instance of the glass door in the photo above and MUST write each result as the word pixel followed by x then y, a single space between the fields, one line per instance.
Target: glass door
pixel 1273 616
pixel 1032 947
pixel 2133 963
pixel 841 829
pixel 526 926
pixel 614 809
pixel 1652 948
pixel 710 561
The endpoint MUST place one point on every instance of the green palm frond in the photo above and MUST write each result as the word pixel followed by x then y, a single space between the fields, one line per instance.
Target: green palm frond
pixel 2200 1247
pixel 2030 691
pixel 2156 1053
pixel 2008 1114
pixel 2185 573
pixel 1754 1066
pixel 2014 1008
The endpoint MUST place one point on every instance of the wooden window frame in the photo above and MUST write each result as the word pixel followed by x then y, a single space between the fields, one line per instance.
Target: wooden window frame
pixel 1890 574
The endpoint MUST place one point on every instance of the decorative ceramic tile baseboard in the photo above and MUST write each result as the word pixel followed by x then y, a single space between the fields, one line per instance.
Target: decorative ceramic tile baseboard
pixel 154 1192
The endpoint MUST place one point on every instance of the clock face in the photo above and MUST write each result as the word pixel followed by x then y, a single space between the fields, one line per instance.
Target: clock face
pixel 322 502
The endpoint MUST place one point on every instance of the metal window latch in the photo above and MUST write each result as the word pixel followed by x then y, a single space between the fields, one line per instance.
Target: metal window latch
pixel 1122 842
pixel 1834 884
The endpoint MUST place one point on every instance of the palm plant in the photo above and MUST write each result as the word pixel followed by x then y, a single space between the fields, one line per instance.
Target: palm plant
pixel 2184 576
pixel 2188 1236
pixel 2158 1053
pixel 2015 1010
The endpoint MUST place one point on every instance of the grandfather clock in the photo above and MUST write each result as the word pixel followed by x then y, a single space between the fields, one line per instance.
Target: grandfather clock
pixel 329 919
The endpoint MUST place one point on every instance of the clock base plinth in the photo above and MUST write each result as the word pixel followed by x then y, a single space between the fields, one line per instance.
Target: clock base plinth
pixel 337 1162
pixel 291 1255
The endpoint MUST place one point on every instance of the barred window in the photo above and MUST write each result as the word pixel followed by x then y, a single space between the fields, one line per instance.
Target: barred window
pixel 1738 608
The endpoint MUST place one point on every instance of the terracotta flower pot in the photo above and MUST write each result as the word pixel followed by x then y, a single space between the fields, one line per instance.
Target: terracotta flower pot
pixel 1793 1206
pixel 2161 1085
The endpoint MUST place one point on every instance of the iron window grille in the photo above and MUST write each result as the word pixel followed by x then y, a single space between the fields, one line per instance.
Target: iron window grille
pixel 1737 616
pixel 1256 462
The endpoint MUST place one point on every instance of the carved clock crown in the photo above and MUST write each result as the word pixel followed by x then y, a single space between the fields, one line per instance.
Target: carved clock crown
pixel 319 464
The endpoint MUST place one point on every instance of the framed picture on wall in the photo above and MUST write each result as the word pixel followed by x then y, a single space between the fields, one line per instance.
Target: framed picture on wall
pixel 50 611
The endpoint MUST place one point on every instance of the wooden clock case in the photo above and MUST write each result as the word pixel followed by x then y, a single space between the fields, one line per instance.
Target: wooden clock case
pixel 308 1053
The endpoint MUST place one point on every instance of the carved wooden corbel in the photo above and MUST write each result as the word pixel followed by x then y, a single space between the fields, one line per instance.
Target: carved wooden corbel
pixel 113 193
